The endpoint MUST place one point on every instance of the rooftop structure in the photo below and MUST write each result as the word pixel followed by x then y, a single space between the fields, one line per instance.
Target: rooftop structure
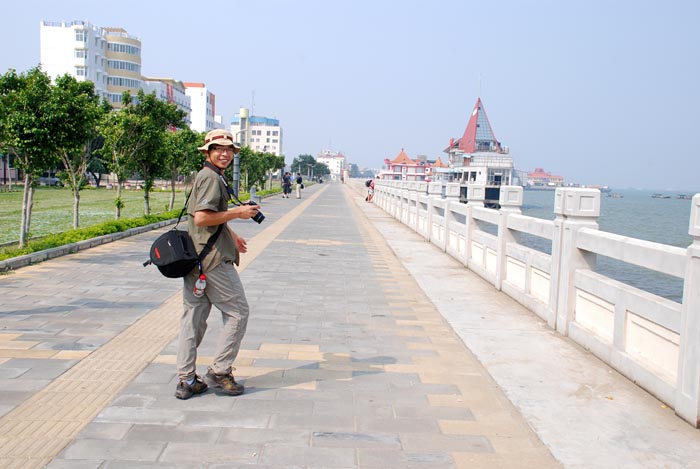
pixel 403 168
pixel 257 132
pixel 539 177
pixel 477 157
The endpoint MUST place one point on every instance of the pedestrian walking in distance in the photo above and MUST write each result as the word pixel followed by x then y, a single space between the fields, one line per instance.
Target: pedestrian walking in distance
pixel 300 185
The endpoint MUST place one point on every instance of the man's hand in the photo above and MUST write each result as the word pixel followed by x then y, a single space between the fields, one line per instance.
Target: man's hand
pixel 240 243
pixel 211 218
pixel 246 211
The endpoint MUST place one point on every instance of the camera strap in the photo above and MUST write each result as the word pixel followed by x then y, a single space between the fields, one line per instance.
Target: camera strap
pixel 229 189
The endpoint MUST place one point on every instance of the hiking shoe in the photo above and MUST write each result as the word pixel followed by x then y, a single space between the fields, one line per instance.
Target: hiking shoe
pixel 225 382
pixel 185 391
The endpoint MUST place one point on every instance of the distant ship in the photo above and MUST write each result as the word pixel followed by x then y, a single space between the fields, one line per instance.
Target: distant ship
pixel 660 196
pixel 684 197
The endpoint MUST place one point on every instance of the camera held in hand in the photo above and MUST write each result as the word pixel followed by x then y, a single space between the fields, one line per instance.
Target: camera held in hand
pixel 259 217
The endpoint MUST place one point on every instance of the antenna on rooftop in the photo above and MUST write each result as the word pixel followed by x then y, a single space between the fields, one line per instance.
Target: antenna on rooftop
pixel 252 102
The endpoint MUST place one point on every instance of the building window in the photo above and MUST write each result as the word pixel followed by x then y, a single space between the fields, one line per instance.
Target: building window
pixel 80 35
pixel 123 65
pixel 80 53
pixel 123 48
pixel 81 71
pixel 275 133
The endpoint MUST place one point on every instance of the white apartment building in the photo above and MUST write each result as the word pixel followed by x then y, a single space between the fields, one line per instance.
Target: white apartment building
pixel 259 133
pixel 334 160
pixel 109 57
pixel 170 91
pixel 203 104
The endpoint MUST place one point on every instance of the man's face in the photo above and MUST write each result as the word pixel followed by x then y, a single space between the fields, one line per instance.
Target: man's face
pixel 220 156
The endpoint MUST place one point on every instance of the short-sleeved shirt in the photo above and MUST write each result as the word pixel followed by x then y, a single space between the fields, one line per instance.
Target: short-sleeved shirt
pixel 209 193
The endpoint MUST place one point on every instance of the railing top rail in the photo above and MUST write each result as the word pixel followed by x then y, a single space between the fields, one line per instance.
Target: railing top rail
pixel 485 214
pixel 531 225
pixel 654 256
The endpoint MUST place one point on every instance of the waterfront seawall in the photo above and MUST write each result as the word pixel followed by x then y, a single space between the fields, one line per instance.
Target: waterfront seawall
pixel 651 340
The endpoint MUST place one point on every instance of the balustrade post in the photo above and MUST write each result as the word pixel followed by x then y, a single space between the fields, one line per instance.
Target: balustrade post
pixel 402 194
pixel 476 194
pixel 510 199
pixel 412 205
pixel 687 405
pixel 580 209
pixel 378 198
pixel 434 192
pixel 555 257
pixel 452 191
pixel 421 190
pixel 394 197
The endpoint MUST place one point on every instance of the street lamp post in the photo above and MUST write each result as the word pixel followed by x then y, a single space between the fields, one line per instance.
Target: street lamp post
pixel 237 166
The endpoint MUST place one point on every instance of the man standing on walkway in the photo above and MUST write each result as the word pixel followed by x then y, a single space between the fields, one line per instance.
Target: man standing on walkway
pixel 207 209
pixel 300 185
pixel 286 185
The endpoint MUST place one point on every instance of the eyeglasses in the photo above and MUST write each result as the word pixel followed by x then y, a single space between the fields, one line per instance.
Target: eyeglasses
pixel 221 149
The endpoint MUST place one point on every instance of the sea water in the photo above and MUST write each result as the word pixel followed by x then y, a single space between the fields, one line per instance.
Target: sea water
pixel 635 213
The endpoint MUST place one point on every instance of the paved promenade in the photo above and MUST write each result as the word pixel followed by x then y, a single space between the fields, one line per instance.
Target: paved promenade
pixel 355 357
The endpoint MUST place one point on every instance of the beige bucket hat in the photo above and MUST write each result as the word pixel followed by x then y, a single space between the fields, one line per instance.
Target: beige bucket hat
pixel 219 137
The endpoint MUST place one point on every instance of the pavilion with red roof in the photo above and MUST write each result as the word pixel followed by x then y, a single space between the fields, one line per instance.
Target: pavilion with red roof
pixel 403 168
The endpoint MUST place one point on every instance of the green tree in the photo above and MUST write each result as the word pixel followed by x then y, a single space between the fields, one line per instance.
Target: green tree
pixel 121 141
pixel 303 163
pixel 133 138
pixel 27 124
pixel 181 156
pixel 321 169
pixel 155 118
pixel 354 171
pixel 97 166
pixel 78 111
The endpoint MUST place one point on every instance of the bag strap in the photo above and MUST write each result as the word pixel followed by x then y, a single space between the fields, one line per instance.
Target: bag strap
pixel 210 244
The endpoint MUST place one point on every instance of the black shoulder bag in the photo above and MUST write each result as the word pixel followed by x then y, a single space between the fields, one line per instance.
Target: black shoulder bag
pixel 174 253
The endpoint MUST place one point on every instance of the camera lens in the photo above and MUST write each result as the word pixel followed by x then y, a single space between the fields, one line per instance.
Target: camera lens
pixel 259 217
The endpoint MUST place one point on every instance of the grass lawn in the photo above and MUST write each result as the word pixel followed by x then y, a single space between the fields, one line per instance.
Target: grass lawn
pixel 53 209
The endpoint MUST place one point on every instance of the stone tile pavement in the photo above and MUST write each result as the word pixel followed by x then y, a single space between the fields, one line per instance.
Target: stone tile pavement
pixel 347 361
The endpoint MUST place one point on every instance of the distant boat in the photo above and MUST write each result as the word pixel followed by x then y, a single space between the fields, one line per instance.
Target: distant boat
pixel 615 196
pixel 660 196
pixel 684 197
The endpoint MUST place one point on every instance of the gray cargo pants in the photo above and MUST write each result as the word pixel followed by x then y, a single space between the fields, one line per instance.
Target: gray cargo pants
pixel 225 291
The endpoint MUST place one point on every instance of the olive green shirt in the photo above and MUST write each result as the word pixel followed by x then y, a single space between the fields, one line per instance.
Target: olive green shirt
pixel 209 193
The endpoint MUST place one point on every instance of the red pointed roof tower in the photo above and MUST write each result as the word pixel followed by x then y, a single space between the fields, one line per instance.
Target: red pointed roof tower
pixel 478 136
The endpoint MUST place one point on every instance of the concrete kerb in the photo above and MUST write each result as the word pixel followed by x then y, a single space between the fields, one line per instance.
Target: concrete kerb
pixel 40 256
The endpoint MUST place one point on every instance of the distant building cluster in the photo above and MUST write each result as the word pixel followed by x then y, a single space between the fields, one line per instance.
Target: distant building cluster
pixel 477 157
pixel 111 59
pixel 334 160
pixel 539 177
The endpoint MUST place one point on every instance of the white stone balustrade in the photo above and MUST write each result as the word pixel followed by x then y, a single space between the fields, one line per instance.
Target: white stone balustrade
pixel 652 340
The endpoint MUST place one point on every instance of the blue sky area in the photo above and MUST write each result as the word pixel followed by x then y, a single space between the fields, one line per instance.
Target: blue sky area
pixel 600 92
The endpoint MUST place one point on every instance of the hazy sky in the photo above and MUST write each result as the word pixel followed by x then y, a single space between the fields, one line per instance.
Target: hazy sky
pixel 598 91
